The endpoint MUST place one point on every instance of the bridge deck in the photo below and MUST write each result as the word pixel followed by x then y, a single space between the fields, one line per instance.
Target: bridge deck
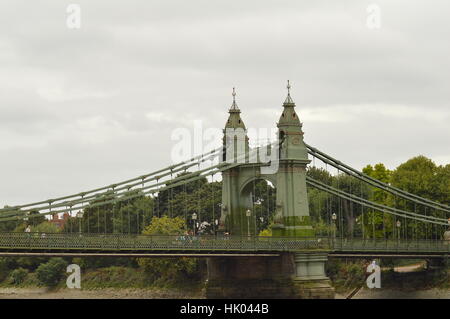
pixel 141 245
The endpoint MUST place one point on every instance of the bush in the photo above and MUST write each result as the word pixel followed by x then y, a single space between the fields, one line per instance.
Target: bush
pixel 51 272
pixel 29 263
pixel 18 276
pixel 347 274
pixel 102 262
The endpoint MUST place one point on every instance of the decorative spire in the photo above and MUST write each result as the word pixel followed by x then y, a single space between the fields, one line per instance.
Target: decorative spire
pixel 234 119
pixel 288 98
pixel 234 106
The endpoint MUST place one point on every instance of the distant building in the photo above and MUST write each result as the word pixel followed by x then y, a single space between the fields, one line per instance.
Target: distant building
pixel 59 222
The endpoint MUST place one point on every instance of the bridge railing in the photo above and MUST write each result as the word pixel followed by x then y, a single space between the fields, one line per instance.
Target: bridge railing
pixel 130 242
pixel 391 245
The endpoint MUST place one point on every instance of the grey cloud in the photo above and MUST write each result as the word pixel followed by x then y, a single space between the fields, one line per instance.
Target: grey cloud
pixel 83 108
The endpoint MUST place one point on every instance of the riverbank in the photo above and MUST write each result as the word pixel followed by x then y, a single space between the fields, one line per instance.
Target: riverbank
pixel 403 282
pixel 103 293
pixel 159 293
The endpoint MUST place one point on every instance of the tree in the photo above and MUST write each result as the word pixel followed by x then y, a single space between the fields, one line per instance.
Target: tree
pixel 46 227
pixel 168 270
pixel 417 176
pixel 125 215
pixel 421 176
pixel 378 223
pixel 165 226
pixel 36 218
pixel 51 272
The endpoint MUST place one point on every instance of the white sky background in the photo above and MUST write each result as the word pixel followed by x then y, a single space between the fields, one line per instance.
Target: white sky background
pixel 81 108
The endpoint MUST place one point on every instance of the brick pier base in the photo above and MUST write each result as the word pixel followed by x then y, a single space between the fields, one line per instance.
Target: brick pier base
pixel 292 275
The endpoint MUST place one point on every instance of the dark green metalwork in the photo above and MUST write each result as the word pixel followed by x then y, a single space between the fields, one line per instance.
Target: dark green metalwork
pixel 29 242
pixel 372 181
pixel 14 241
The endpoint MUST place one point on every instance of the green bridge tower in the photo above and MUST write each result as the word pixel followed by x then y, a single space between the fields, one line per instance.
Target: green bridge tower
pixel 291 275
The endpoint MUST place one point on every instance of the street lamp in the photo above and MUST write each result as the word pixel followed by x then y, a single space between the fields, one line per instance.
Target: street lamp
pixel 398 224
pixel 216 223
pixel 79 215
pixel 194 218
pixel 334 217
pixel 248 213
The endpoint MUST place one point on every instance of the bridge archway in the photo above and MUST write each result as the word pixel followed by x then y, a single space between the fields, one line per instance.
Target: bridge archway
pixel 257 198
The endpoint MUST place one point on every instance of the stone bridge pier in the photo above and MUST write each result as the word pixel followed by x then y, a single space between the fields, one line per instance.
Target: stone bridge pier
pixel 288 276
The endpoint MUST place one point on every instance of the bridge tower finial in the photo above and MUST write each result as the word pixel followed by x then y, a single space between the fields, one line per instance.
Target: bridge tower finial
pixel 234 105
pixel 234 120
pixel 288 98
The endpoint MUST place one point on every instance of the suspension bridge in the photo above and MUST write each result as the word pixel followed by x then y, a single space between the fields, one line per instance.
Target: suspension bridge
pixel 231 194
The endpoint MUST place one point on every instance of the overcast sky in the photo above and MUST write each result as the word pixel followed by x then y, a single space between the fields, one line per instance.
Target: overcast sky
pixel 81 108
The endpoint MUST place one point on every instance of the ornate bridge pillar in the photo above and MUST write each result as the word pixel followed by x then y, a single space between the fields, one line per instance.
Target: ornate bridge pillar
pixel 292 275
pixel 292 215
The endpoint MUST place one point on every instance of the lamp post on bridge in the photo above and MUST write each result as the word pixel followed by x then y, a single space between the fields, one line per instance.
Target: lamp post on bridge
pixel 398 224
pixel 194 220
pixel 79 216
pixel 248 213
pixel 334 218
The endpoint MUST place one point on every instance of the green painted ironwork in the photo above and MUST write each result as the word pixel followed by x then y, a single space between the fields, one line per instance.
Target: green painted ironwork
pixel 374 182
pixel 292 225
pixel 54 242
pixel 138 243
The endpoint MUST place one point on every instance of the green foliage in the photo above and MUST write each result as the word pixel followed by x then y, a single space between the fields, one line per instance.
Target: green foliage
pixel 322 205
pixel 266 232
pixel 346 274
pixel 50 273
pixel 20 228
pixel 319 174
pixel 421 176
pixel 162 271
pixel 104 262
pixel 18 276
pixel 264 204
pixel 122 216
pixel 46 227
pixel 30 263
pixel 35 218
pixel 165 226
pixel 9 226
pixel 201 198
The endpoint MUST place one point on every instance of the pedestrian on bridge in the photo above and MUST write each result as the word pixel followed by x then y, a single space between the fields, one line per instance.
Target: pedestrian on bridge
pixel 28 230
